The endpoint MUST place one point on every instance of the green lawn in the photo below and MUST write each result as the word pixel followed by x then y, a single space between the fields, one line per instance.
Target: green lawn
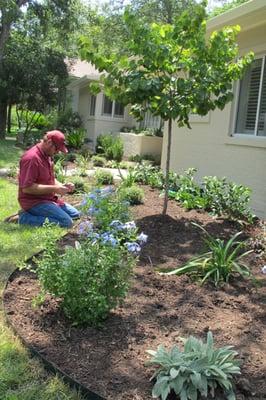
pixel 21 377
pixel 9 153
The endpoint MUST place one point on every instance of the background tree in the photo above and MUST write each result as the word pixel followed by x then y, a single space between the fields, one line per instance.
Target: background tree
pixel 172 70
pixel 49 20
pixel 107 28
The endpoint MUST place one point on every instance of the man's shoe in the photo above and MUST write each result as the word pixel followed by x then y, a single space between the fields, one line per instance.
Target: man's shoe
pixel 13 219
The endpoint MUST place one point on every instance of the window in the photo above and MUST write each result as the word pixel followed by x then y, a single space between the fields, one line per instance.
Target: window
pixel 112 109
pixel 251 113
pixel 119 110
pixel 107 106
pixel 92 105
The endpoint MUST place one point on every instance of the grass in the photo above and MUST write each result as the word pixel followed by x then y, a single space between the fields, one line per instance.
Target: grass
pixel 21 377
pixel 9 153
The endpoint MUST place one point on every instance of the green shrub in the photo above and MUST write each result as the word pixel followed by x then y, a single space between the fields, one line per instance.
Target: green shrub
pixel 75 138
pixel 133 194
pixel 135 158
pixel 71 157
pixel 219 263
pixel 104 177
pixel 68 121
pixel 189 193
pixel 83 164
pixel 89 280
pixel 80 185
pixel 111 146
pixel 59 170
pixel 104 206
pixel 98 161
pixel 227 198
pixel 198 370
pixel 13 171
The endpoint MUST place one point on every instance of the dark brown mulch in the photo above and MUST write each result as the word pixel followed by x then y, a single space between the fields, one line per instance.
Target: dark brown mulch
pixel 158 310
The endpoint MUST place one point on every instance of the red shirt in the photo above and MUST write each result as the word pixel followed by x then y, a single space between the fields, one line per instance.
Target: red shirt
pixel 35 167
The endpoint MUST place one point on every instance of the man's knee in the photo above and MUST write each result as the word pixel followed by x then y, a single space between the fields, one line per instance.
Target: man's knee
pixel 66 222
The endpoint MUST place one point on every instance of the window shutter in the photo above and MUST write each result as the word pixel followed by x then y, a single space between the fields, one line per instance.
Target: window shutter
pixel 253 93
pixel 262 114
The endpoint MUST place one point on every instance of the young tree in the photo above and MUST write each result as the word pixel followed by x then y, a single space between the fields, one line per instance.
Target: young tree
pixel 171 70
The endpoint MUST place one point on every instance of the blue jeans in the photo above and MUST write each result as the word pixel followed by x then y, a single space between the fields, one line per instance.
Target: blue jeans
pixel 61 215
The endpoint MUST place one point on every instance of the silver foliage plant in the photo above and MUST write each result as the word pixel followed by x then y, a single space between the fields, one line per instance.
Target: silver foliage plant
pixel 198 370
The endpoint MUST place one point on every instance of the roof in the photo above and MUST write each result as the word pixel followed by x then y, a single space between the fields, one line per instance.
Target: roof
pixel 81 72
pixel 248 15
pixel 79 69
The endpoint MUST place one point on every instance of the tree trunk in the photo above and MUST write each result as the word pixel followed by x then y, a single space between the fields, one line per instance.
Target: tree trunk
pixel 9 118
pixel 3 118
pixel 168 154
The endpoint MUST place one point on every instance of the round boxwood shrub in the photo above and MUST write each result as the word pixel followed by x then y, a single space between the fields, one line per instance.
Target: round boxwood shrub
pixel 104 177
pixel 133 194
pixel 98 161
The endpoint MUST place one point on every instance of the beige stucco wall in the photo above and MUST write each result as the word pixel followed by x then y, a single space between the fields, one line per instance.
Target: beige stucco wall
pixel 141 145
pixel 210 148
pixel 95 125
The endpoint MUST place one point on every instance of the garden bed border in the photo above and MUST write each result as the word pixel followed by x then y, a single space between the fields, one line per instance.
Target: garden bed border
pixel 48 365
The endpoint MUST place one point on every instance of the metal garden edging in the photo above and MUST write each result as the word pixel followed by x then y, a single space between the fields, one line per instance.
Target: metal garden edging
pixel 49 366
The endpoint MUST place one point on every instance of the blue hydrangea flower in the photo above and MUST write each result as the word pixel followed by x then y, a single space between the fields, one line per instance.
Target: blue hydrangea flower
pixel 130 225
pixel 84 201
pixel 93 210
pixel 117 225
pixel 108 238
pixel 142 238
pixel 85 227
pixel 133 247
pixel 92 196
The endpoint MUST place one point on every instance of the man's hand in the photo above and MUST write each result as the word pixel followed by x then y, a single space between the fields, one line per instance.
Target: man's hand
pixel 70 186
pixel 61 189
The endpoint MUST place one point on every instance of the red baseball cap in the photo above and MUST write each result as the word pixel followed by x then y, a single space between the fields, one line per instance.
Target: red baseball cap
pixel 58 138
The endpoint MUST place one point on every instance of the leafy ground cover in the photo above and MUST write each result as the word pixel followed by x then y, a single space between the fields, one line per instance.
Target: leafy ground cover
pixel 158 310
pixel 21 377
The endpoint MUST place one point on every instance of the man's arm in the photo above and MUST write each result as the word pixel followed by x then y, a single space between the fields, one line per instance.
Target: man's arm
pixel 36 189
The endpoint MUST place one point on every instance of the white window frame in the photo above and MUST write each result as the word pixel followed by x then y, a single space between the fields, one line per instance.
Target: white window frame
pixel 236 105
pixel 112 115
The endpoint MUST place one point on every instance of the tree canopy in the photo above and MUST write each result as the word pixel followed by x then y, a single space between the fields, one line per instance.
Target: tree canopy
pixel 172 70
pixel 35 37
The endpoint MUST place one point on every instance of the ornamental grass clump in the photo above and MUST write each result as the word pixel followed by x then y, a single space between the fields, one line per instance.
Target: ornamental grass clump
pixel 199 370
pixel 222 260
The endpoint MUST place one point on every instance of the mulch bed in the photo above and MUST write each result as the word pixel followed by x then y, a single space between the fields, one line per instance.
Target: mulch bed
pixel 158 310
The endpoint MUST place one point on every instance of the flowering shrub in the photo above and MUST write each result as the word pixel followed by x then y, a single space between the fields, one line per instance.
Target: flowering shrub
pixel 90 279
pixel 118 234
pixel 104 206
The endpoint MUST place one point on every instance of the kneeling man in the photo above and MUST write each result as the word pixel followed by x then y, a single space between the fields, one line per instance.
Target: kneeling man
pixel 38 188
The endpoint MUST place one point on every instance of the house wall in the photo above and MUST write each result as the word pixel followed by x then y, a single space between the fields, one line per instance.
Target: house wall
pixel 97 124
pixel 210 147
pixel 141 145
